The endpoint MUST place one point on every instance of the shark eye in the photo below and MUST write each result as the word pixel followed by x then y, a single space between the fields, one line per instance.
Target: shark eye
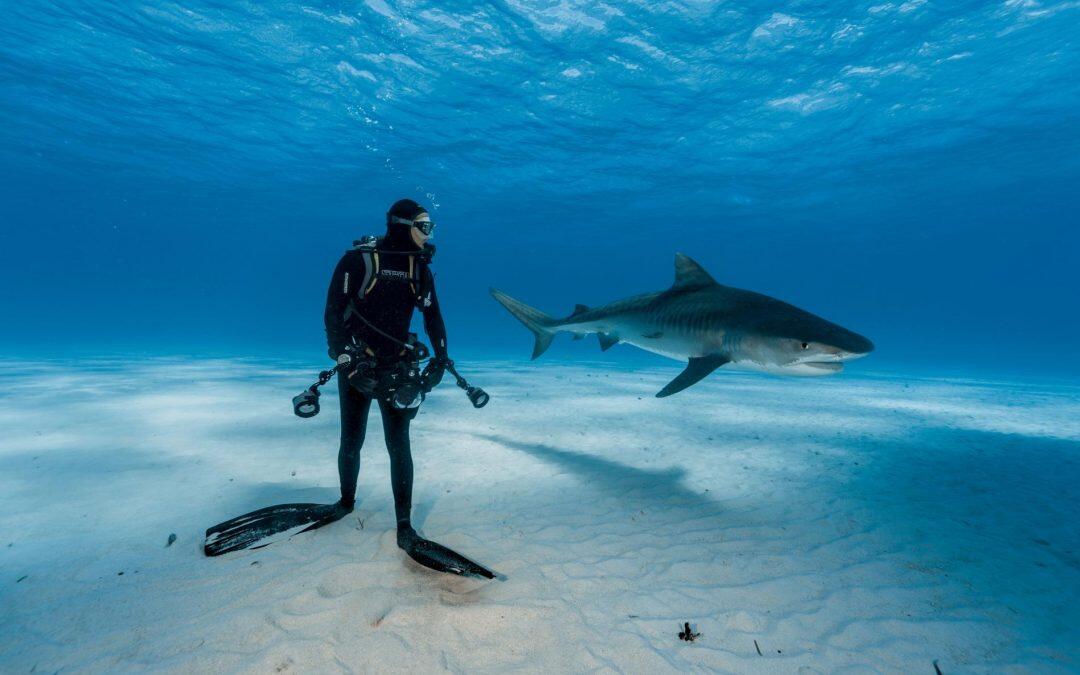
pixel 806 345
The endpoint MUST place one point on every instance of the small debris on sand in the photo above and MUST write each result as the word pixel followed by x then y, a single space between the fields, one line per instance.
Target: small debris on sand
pixel 688 635
pixel 172 540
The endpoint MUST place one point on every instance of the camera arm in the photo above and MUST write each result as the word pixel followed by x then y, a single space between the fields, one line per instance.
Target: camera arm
pixel 477 396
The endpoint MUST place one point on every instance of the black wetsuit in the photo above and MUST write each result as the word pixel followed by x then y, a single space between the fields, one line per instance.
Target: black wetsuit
pixel 393 286
pixel 388 306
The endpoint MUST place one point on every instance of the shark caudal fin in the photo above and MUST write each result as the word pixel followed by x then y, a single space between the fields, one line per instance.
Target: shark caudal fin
pixel 535 320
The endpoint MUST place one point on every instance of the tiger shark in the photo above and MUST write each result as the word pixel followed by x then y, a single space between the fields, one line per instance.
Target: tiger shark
pixel 706 324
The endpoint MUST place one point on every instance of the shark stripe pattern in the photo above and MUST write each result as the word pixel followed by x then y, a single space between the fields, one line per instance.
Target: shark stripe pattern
pixel 706 324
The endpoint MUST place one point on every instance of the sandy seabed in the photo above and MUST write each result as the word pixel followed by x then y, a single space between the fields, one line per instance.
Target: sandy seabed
pixel 847 524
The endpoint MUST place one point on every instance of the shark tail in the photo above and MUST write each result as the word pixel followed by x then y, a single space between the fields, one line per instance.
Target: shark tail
pixel 535 320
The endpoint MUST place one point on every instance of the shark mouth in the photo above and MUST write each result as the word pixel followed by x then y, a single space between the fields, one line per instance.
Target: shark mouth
pixel 824 366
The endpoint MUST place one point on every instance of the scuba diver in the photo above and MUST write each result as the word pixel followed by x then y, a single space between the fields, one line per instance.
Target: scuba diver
pixel 374 291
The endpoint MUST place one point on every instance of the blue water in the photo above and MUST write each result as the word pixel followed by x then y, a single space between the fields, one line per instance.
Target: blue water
pixel 182 177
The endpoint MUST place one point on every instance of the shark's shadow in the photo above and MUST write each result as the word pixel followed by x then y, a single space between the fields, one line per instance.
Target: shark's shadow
pixel 662 488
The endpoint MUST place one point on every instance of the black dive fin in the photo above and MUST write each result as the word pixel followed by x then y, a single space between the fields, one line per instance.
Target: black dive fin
pixel 265 526
pixel 607 341
pixel 697 369
pixel 439 558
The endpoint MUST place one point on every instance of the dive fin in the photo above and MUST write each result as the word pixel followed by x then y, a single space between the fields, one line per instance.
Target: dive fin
pixel 689 273
pixel 697 369
pixel 534 320
pixel 438 557
pixel 273 523
pixel 607 341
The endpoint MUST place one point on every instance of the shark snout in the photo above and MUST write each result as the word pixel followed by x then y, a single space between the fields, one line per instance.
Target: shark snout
pixel 853 347
pixel 851 356
pixel 845 355
pixel 857 347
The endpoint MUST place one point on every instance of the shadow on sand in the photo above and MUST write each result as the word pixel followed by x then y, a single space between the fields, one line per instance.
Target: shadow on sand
pixel 635 486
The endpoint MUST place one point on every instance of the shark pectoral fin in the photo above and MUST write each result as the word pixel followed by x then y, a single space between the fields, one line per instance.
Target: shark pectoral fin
pixel 607 341
pixel 695 371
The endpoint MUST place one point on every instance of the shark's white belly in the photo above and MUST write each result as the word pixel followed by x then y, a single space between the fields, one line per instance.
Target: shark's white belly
pixel 680 350
pixel 684 345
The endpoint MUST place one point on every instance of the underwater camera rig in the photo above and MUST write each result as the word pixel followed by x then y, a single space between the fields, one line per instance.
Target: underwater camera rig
pixel 402 384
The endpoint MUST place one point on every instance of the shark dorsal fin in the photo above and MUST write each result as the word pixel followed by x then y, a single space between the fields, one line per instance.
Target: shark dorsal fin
pixel 579 309
pixel 689 273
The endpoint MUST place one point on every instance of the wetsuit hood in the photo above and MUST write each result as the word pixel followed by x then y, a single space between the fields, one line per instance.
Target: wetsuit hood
pixel 398 235
pixel 398 238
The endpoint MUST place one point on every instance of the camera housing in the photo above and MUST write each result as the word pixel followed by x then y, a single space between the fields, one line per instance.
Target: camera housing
pixel 400 384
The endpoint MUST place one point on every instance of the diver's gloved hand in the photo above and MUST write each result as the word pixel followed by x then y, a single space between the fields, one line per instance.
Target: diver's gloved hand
pixel 433 371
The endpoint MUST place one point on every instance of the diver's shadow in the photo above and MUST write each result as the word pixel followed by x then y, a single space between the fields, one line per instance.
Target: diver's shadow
pixel 630 483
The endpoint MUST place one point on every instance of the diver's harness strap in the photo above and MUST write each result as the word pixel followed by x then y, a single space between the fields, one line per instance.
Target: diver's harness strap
pixel 368 248
pixel 400 383
pixel 409 346
pixel 417 278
